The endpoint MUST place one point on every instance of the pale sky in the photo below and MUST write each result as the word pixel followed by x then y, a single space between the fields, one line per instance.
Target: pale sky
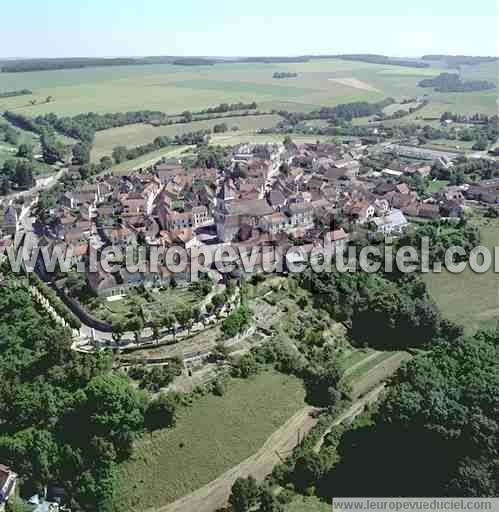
pixel 92 28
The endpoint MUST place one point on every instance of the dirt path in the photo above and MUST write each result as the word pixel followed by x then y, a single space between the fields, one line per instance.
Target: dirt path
pixel 280 444
pixel 354 410
pixel 378 373
pixel 360 363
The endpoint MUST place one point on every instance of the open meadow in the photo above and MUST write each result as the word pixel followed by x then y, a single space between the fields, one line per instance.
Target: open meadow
pixel 172 89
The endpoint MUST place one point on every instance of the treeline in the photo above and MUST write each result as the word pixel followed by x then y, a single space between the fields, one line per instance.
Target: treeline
pixel 22 66
pixel 283 74
pixel 332 130
pixel 382 59
pixel 194 61
pixel 341 112
pixel 460 60
pixel 84 126
pixel 451 82
pixel 275 60
pixel 12 94
pixel 227 107
pixel 55 301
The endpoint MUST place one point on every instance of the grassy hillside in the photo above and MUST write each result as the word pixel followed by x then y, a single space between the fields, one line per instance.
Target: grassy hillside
pixel 175 88
pixel 470 299
pixel 209 438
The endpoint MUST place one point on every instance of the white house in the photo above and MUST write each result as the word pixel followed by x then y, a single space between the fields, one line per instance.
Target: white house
pixel 392 223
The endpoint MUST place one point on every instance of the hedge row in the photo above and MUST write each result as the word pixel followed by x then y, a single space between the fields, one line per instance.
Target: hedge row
pixel 55 301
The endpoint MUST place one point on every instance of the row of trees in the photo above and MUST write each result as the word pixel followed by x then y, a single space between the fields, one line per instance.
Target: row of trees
pixel 338 113
pixel 55 301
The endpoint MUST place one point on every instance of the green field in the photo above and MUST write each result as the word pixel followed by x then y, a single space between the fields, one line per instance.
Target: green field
pixel 468 298
pixel 137 134
pixel 209 438
pixel 173 89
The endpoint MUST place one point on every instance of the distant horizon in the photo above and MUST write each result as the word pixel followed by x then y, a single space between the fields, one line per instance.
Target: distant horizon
pixel 250 55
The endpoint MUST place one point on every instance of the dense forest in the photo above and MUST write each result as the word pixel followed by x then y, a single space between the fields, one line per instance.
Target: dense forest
pixel 22 66
pixel 451 82
pixel 435 434
pixel 66 419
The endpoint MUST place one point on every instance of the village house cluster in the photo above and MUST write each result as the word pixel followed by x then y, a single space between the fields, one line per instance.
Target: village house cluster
pixel 269 196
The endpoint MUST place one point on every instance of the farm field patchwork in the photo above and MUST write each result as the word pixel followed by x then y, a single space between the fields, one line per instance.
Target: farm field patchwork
pixel 209 438
pixel 172 89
